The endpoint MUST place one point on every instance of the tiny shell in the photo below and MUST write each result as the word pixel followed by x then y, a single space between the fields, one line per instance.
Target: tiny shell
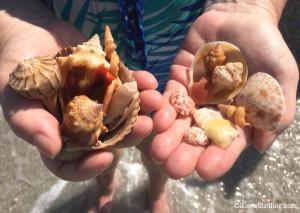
pixel 197 71
pixel 228 76
pixel 205 114
pixel 221 132
pixel 109 43
pixel 263 100
pixel 214 57
pixel 182 103
pixel 234 114
pixel 196 136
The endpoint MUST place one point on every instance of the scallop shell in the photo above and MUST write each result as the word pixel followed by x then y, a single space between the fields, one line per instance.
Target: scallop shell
pixel 265 104
pixel 198 72
pixel 205 114
pixel 221 132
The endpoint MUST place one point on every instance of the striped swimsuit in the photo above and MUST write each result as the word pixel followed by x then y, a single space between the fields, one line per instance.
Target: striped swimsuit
pixel 147 32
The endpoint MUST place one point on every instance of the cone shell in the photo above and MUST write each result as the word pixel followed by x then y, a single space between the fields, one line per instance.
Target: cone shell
pixel 221 132
pixel 265 104
pixel 36 78
pixel 198 72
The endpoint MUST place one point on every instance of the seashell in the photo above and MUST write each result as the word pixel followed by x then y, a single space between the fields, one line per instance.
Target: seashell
pixel 263 101
pixel 196 136
pixel 182 103
pixel 228 76
pixel 234 114
pixel 84 71
pixel 214 57
pixel 109 43
pixel 221 132
pixel 82 122
pixel 217 94
pixel 38 78
pixel 205 114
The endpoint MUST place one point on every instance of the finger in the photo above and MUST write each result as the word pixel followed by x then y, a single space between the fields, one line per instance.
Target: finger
pixel 151 100
pixel 183 160
pixel 93 164
pixel 164 144
pixel 165 117
pixel 141 130
pixel 32 123
pixel 145 80
pixel 215 162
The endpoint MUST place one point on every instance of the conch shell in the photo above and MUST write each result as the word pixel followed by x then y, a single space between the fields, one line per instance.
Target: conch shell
pixel 214 64
pixel 98 97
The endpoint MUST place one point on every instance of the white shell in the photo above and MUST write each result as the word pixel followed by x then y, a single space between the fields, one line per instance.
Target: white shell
pixel 203 115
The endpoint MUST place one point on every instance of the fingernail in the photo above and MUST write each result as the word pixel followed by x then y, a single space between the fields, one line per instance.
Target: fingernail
pixel 44 144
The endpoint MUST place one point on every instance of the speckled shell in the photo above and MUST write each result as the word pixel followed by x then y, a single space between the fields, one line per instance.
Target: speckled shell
pixel 182 103
pixel 198 71
pixel 36 78
pixel 263 100
pixel 196 136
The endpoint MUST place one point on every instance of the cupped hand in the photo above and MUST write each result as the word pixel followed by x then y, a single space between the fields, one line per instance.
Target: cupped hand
pixel 253 30
pixel 31 122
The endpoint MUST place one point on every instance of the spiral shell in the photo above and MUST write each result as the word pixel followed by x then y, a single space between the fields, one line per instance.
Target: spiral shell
pixel 36 78
pixel 214 57
pixel 109 43
pixel 235 114
pixel 217 93
pixel 265 104
pixel 82 122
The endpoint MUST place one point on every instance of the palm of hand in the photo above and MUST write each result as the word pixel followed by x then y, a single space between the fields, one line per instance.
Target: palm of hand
pixel 265 51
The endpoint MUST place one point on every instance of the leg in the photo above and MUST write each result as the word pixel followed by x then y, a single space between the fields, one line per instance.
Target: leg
pixel 106 185
pixel 157 190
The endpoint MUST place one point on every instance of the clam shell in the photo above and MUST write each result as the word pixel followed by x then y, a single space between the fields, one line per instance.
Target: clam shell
pixel 221 132
pixel 36 78
pixel 263 100
pixel 197 71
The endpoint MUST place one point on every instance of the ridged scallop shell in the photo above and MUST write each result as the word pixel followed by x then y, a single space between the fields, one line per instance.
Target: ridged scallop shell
pixel 221 132
pixel 205 114
pixel 198 72
pixel 36 78
pixel 263 100
pixel 82 122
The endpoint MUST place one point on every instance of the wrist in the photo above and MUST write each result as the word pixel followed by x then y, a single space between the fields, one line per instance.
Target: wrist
pixel 272 9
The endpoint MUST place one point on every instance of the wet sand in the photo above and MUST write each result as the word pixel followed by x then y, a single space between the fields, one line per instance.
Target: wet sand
pixel 268 180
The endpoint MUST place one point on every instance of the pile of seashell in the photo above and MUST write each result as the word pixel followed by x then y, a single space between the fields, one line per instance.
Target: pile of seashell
pixel 222 97
pixel 90 92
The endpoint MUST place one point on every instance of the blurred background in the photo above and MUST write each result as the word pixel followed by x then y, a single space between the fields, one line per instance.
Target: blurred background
pixel 270 178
